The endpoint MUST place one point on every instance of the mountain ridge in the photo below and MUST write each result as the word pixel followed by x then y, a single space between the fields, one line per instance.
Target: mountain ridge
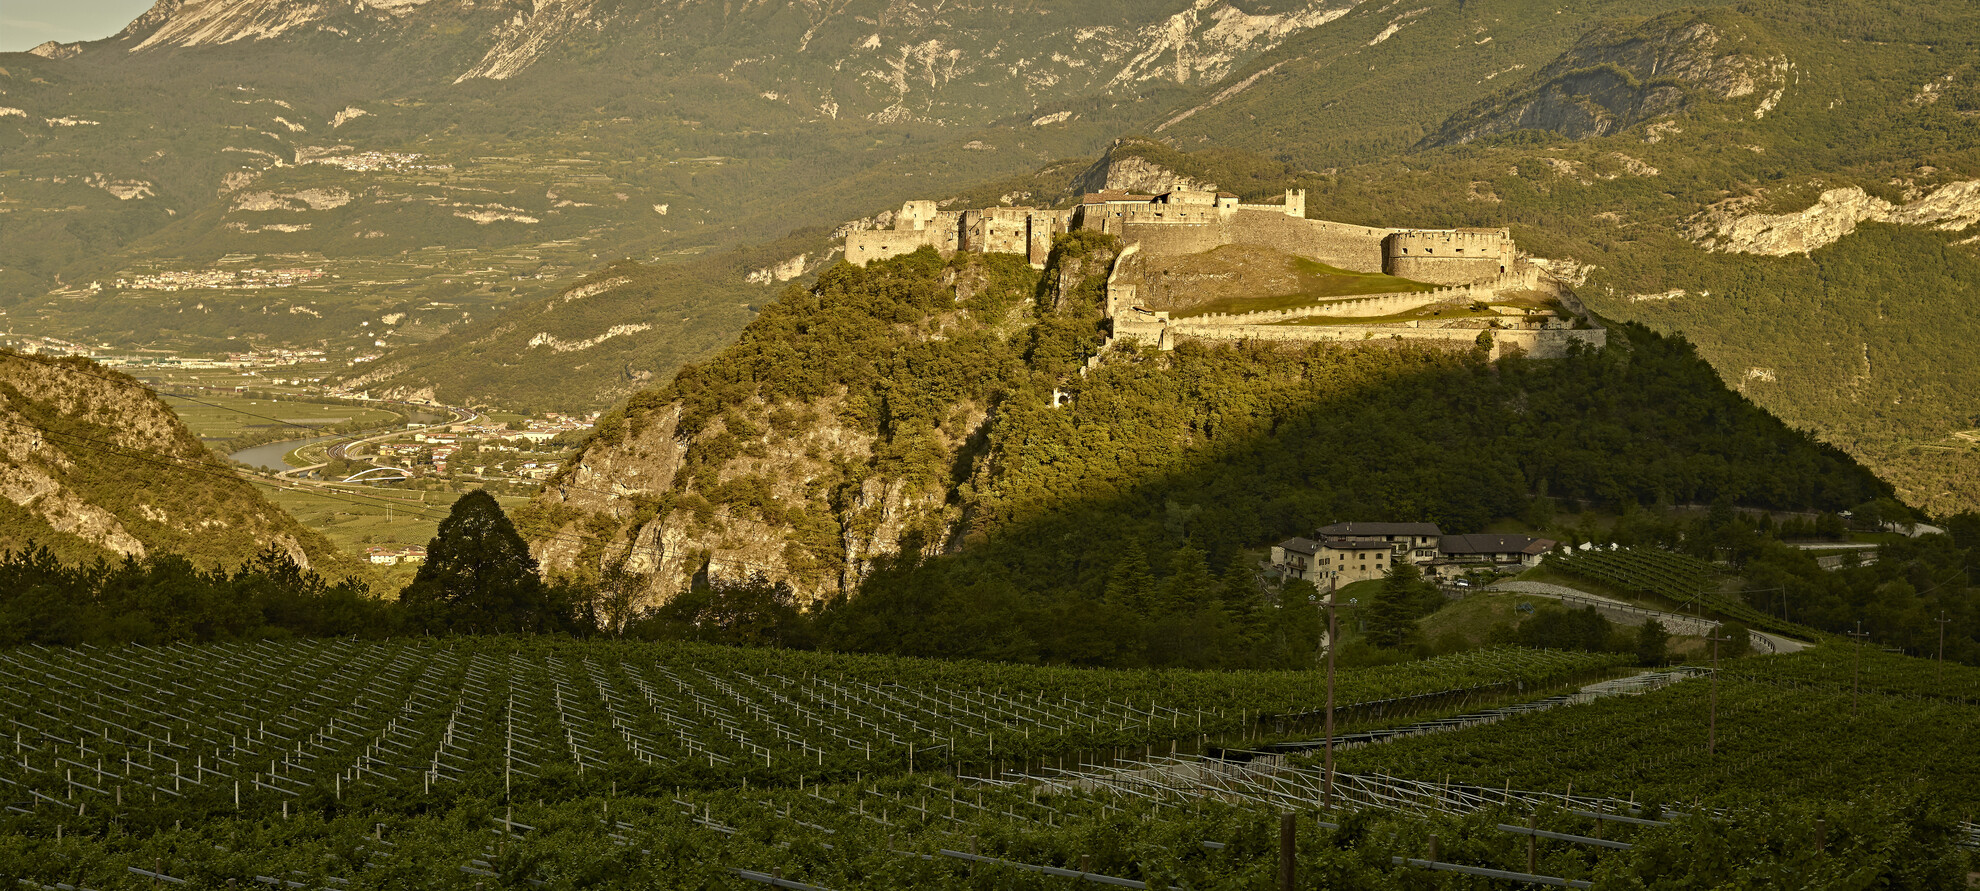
pixel 95 465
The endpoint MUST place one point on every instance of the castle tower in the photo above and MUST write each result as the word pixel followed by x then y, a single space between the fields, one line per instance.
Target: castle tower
pixel 915 215
pixel 1296 203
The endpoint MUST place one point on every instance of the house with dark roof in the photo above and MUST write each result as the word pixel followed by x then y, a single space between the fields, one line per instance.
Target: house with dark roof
pixel 1296 558
pixel 1459 554
pixel 1332 562
pixel 1415 542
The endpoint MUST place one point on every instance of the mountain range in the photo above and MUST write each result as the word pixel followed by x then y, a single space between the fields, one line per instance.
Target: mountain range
pixel 1789 186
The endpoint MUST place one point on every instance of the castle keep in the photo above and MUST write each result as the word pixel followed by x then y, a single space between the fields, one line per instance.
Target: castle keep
pixel 1470 267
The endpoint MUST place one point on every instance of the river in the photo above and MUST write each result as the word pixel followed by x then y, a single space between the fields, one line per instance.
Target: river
pixel 269 456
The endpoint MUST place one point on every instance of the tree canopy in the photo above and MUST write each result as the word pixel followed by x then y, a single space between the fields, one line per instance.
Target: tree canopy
pixel 479 577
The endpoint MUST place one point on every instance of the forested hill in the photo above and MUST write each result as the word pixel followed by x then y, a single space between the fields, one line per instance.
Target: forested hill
pixel 891 434
pixel 93 465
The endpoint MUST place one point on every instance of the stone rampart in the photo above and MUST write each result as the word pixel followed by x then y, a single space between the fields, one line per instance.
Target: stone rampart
pixel 1371 306
pixel 1344 246
pixel 1354 248
pixel 1546 344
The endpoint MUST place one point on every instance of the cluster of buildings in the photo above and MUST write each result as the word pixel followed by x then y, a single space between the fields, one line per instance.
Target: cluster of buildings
pixel 1185 221
pixel 1030 230
pixel 220 279
pixel 437 448
pixel 1344 553
pixel 386 556
pixel 363 162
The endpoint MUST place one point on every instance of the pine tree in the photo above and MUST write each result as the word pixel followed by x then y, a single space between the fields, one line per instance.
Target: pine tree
pixel 479 577
pixel 1653 643
pixel 1130 585
pixel 1392 617
pixel 1189 585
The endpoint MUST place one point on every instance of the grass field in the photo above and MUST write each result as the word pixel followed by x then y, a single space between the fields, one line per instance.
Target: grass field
pixel 1242 278
pixel 359 518
pixel 220 419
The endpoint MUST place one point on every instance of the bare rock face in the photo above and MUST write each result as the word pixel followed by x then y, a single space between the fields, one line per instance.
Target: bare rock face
pixel 1616 78
pixel 93 458
pixel 57 51
pixel 810 491
pixel 883 60
pixel 1121 169
pixel 795 267
pixel 1835 214
pixel 806 521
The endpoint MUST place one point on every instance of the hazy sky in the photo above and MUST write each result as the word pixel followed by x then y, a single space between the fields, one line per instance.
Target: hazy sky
pixel 26 23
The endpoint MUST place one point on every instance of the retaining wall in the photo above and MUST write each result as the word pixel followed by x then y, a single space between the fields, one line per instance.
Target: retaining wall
pixel 1549 344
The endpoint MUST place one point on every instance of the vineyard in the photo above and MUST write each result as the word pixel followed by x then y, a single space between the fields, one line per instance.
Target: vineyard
pixel 1675 577
pixel 1839 668
pixel 262 727
pixel 1776 743
pixel 500 762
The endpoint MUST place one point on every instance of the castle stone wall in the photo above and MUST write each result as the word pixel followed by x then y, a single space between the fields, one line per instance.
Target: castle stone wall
pixel 1545 344
pixel 1354 248
pixel 1448 256
pixel 874 245
pixel 1371 306
pixel 1172 239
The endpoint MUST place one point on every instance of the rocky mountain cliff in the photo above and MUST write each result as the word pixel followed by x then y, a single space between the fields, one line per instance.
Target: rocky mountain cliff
pixel 1619 76
pixel 812 475
pixel 892 60
pixel 92 464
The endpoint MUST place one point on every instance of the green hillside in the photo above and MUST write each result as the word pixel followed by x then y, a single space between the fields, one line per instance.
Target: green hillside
pixel 96 466
pixel 918 438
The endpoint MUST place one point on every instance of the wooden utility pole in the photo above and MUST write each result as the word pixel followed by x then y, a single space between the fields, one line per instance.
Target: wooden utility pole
pixel 1712 722
pixel 1856 676
pixel 1940 681
pixel 1288 851
pixel 1333 644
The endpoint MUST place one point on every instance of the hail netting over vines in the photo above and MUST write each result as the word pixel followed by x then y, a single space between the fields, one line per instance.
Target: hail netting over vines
pixel 1678 577
pixel 208 728
pixel 1776 744
pixel 934 831
pixel 1663 573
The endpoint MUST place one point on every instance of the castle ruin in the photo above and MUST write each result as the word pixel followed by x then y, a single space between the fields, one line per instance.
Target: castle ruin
pixel 1471 267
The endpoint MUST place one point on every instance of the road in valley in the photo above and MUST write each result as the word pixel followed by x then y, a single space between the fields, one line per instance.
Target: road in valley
pixel 1631 614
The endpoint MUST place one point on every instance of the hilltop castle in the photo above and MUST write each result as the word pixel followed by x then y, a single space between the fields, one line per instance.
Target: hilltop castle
pixel 1187 222
pixel 1470 266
